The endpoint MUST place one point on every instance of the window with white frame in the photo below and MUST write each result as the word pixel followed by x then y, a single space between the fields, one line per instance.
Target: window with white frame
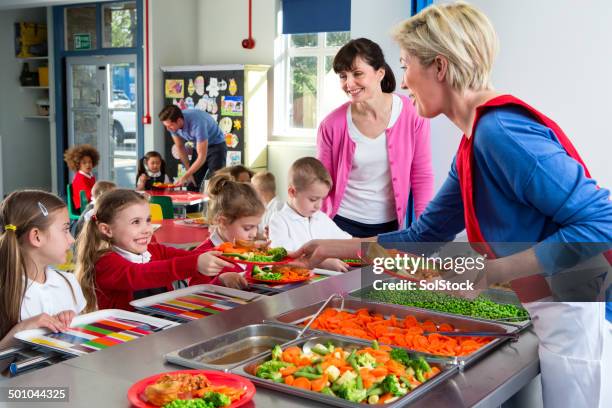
pixel 306 86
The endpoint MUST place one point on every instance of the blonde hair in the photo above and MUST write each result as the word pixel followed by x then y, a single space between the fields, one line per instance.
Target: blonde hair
pixel 101 187
pixel 231 199
pixel 20 212
pixel 459 32
pixel 306 171
pixel 265 182
pixel 92 244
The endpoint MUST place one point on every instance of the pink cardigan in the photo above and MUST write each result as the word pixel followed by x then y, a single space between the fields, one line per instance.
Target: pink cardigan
pixel 409 152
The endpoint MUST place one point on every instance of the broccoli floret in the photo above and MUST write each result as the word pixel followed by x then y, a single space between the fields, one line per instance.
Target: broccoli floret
pixel 350 393
pixel 267 369
pixel 327 391
pixel 365 360
pixel 277 254
pixel 391 384
pixel 277 352
pixel 401 356
pixel 423 364
pixel 217 399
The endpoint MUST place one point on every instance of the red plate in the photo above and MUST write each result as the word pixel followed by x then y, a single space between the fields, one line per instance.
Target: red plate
pixel 250 277
pixel 136 391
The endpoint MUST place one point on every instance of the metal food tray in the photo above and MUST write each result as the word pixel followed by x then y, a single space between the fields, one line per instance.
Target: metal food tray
pixel 496 295
pixel 204 354
pixel 248 368
pixel 298 316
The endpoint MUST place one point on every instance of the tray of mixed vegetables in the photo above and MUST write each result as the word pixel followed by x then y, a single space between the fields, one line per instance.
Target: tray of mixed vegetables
pixel 346 373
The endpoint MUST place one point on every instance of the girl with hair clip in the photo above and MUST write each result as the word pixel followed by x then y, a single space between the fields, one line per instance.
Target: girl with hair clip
pixel 151 169
pixel 35 234
pixel 117 262
pixel 234 212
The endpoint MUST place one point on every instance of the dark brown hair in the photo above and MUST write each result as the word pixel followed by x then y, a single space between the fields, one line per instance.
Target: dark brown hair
pixel 75 154
pixel 231 199
pixel 306 171
pixel 371 53
pixel 171 113
pixel 23 210
pixel 92 244
pixel 142 164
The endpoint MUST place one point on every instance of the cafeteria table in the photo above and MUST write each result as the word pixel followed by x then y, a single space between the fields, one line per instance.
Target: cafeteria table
pixel 182 198
pixel 172 233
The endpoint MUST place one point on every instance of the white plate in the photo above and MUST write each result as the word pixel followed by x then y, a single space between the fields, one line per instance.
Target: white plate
pixel 146 304
pixel 65 342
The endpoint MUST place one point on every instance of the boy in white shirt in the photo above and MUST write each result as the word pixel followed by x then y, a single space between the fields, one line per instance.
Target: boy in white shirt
pixel 301 220
pixel 264 183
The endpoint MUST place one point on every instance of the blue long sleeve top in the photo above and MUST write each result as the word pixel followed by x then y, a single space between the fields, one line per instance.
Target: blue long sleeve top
pixel 526 189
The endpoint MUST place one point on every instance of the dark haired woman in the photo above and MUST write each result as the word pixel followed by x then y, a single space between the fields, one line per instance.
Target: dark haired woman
pixel 375 147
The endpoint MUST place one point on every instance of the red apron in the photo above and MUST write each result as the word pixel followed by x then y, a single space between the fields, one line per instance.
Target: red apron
pixel 533 287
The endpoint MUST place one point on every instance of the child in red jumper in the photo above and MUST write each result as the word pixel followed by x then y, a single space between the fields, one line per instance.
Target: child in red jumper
pixel 82 159
pixel 117 262
pixel 234 212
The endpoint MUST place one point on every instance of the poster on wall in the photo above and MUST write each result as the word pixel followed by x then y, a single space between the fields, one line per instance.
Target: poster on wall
pixel 217 92
pixel 174 88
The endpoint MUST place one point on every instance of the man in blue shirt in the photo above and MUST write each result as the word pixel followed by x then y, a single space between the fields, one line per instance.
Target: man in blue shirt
pixel 201 129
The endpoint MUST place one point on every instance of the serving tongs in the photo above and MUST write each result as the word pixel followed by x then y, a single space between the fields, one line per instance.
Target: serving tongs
pixel 314 317
pixel 513 335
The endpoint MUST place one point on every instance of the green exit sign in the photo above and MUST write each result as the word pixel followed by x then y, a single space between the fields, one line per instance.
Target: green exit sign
pixel 82 41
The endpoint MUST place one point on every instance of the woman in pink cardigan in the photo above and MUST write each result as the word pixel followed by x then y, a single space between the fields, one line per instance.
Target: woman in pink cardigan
pixel 375 147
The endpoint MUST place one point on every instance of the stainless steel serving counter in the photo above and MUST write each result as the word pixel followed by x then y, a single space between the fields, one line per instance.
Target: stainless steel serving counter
pixel 102 379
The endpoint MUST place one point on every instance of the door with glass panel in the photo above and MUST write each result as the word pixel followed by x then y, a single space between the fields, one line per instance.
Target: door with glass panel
pixel 101 97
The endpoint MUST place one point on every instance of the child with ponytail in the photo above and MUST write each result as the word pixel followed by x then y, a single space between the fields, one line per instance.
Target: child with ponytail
pixel 234 212
pixel 35 233
pixel 117 262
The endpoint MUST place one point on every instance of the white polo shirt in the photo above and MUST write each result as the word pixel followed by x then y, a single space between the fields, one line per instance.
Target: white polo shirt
pixel 53 296
pixel 290 230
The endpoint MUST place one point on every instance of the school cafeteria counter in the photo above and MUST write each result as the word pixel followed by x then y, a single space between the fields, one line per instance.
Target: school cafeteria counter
pixel 102 379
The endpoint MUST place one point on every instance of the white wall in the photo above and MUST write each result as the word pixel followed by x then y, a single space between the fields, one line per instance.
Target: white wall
pixel 174 40
pixel 26 145
pixel 554 54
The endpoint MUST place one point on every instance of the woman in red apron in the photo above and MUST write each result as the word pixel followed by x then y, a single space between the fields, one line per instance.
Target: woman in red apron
pixel 516 178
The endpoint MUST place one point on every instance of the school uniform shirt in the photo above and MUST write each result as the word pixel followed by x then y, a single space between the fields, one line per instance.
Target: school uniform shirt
pixel 273 206
pixel 212 242
pixel 290 230
pixel 117 278
pixel 82 181
pixel 53 296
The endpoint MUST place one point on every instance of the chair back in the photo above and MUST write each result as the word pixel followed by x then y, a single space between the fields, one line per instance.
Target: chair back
pixel 166 205
pixel 72 213
pixel 156 212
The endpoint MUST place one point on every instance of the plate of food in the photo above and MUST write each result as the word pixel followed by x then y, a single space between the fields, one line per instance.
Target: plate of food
pixel 161 185
pixel 253 254
pixel 279 274
pixel 354 262
pixel 193 222
pixel 186 388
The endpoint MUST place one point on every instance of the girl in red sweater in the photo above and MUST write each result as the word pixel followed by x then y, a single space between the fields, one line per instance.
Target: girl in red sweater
pixel 82 159
pixel 234 212
pixel 117 262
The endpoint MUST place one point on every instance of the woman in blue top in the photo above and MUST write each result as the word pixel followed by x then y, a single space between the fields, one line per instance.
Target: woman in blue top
pixel 201 129
pixel 516 178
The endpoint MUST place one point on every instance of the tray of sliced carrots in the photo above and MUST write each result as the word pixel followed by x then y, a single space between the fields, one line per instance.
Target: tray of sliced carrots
pixel 401 326
pixel 346 373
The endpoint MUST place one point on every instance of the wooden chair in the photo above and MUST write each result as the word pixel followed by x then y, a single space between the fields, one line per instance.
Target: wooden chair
pixel 156 212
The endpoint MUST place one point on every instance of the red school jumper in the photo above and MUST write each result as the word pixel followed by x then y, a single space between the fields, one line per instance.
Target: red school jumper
pixel 117 278
pixel 81 182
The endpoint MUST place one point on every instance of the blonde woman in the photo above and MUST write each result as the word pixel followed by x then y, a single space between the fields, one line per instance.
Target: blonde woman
pixel 516 178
